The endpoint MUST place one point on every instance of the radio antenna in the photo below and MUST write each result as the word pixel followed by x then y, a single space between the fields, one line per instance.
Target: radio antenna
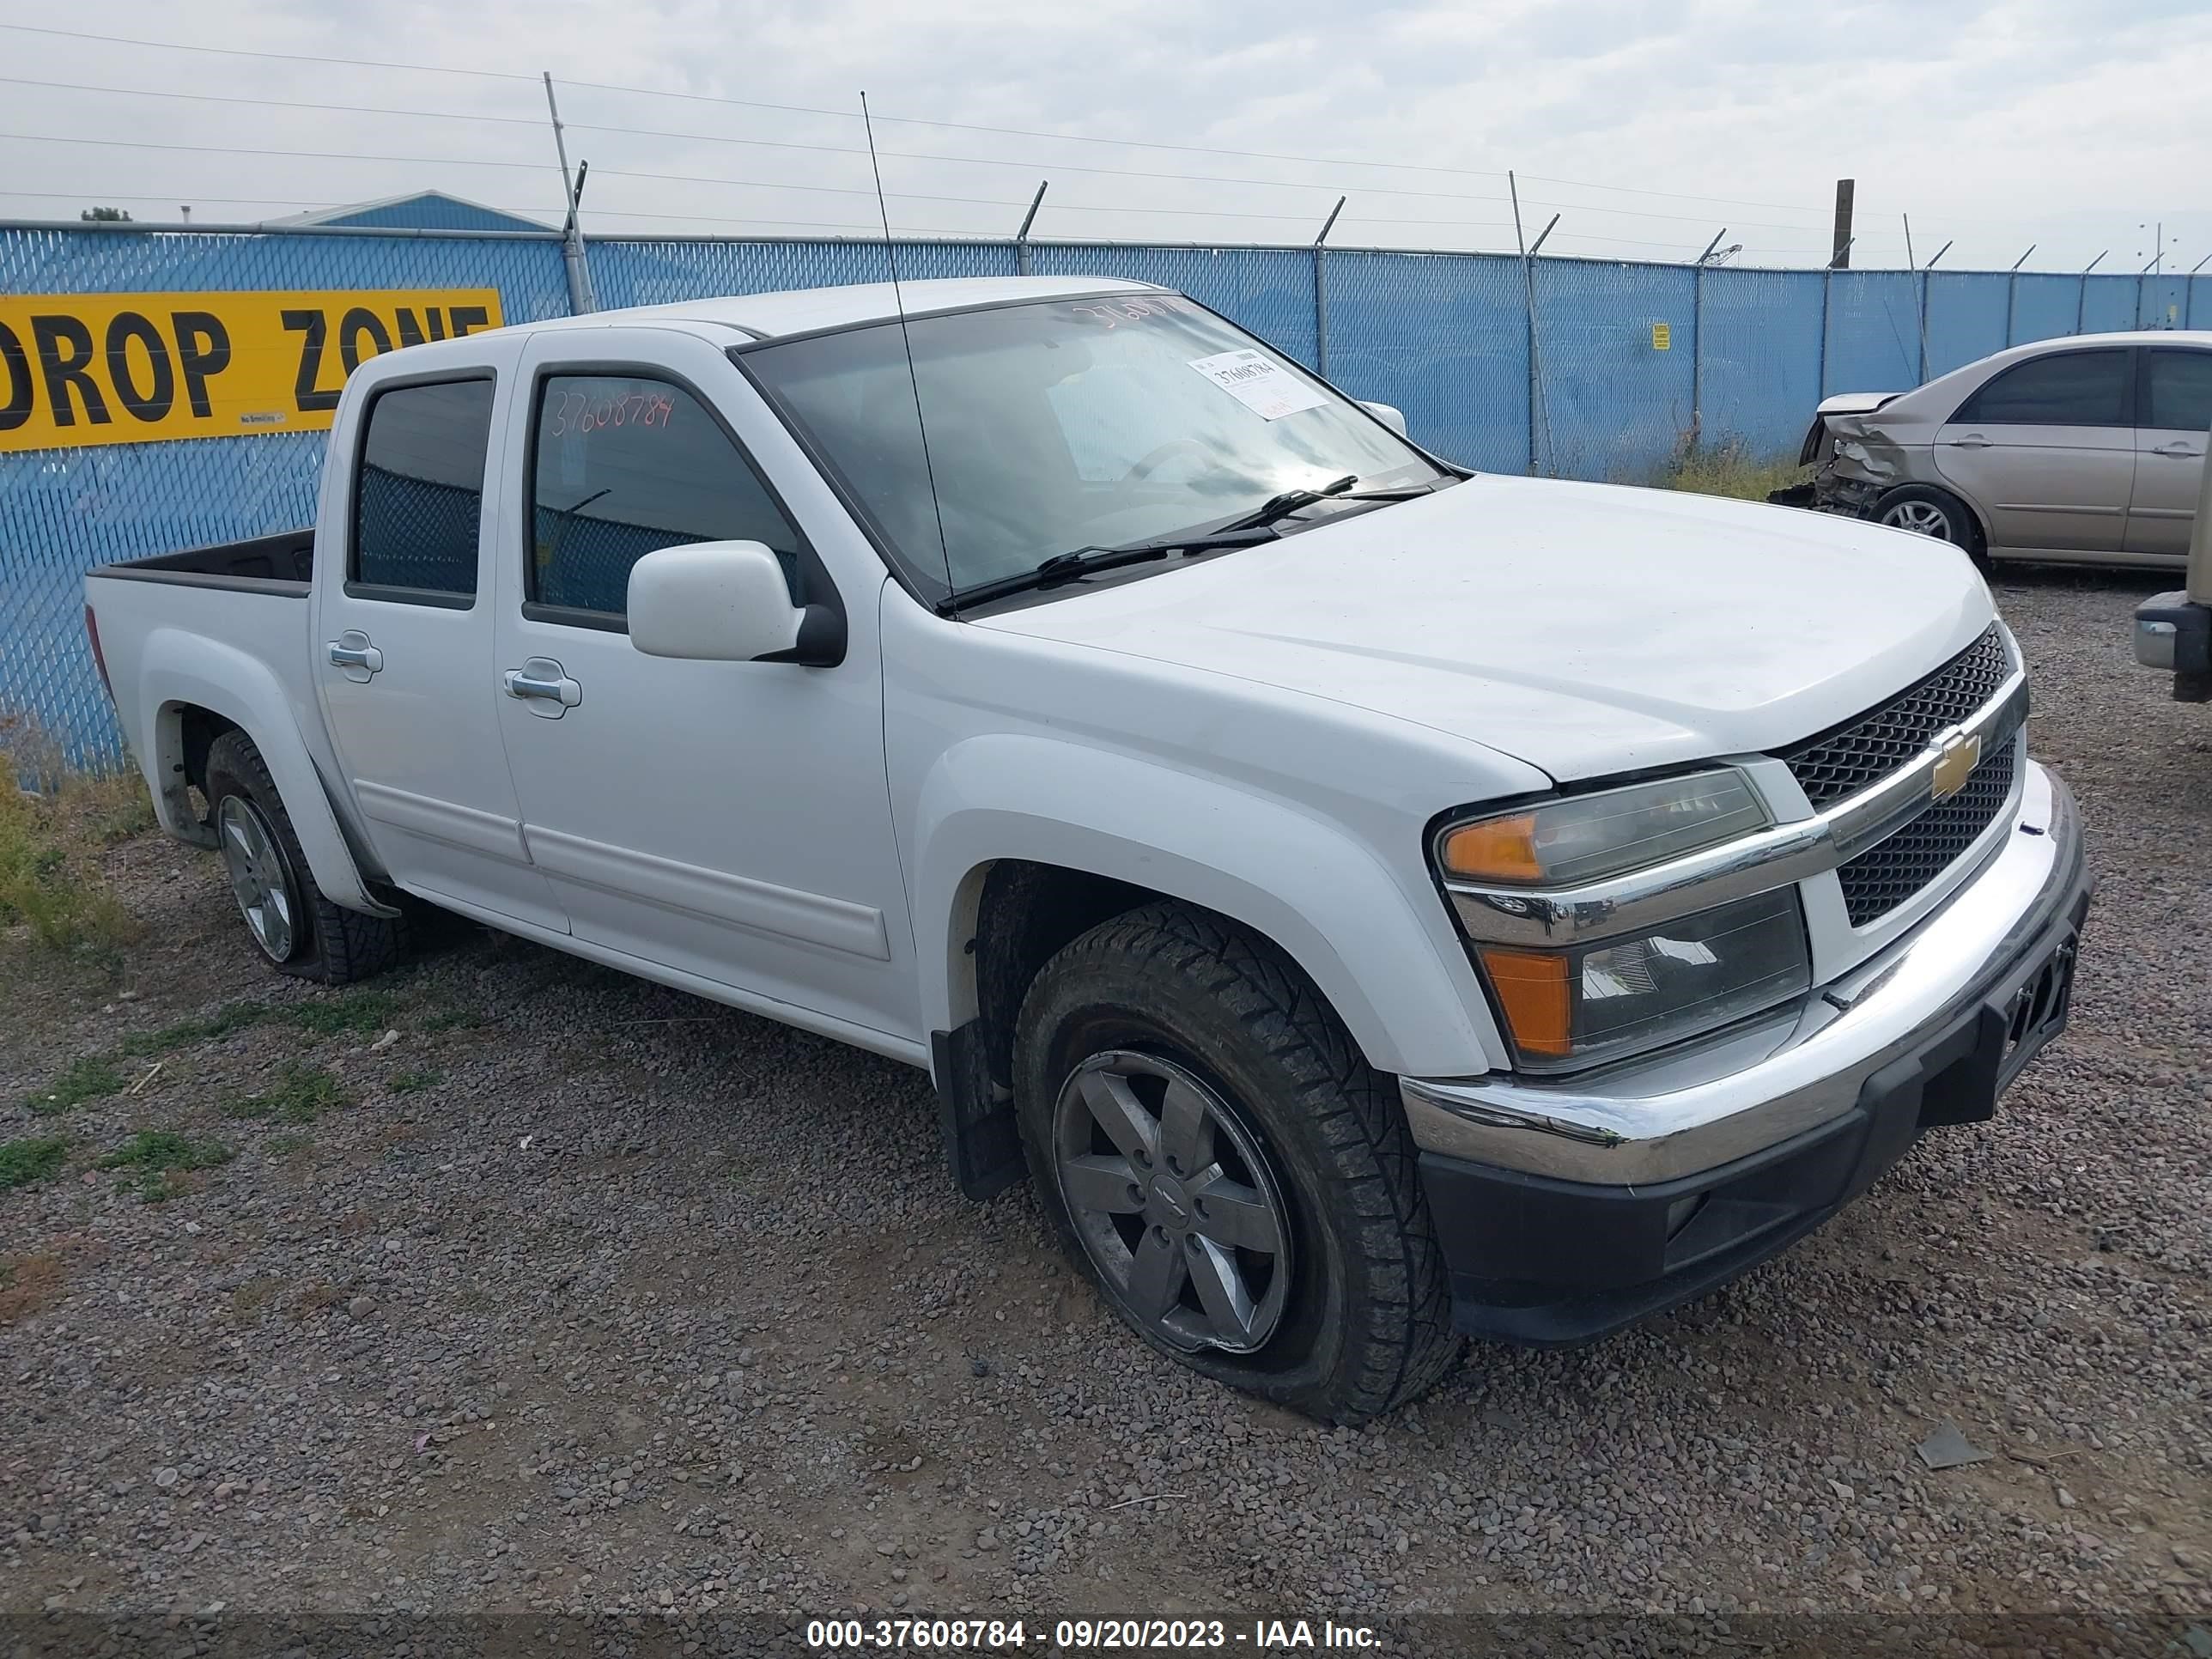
pixel 906 338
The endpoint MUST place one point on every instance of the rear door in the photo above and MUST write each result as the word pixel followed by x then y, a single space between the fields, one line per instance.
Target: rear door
pixel 403 640
pixel 2175 409
pixel 2045 449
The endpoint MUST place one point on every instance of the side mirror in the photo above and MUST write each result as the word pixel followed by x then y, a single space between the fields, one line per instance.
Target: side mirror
pixel 726 602
pixel 1388 414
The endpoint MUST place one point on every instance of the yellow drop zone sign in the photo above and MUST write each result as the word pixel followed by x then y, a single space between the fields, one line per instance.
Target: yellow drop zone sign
pixel 79 369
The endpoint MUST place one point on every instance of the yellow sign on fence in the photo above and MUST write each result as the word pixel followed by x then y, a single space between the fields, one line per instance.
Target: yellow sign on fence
pixel 1663 336
pixel 78 369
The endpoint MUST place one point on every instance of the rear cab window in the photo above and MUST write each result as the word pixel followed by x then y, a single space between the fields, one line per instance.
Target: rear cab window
pixel 621 466
pixel 418 493
pixel 2067 388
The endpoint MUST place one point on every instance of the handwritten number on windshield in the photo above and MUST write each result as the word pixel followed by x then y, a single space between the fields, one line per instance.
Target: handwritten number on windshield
pixel 581 415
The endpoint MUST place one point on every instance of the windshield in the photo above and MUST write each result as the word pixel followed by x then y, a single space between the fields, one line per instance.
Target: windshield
pixel 1067 424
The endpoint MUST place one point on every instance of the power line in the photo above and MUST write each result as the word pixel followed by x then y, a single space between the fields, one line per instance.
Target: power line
pixel 802 109
pixel 960 161
pixel 750 183
pixel 275 103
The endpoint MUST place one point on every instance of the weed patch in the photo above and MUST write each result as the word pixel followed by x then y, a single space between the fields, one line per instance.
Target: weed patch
pixel 1728 469
pixel 412 1083
pixel 350 1011
pixel 299 1094
pixel 187 1032
pixel 157 1159
pixel 86 1078
pixel 27 1162
pixel 48 839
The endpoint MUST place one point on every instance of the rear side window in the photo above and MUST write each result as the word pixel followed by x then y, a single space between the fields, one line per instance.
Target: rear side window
pixel 2068 388
pixel 2179 392
pixel 418 500
pixel 624 465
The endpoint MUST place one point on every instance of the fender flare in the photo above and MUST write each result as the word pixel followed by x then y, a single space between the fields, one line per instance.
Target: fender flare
pixel 179 668
pixel 1392 972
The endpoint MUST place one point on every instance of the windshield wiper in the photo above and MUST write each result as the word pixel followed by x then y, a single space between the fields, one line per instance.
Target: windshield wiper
pixel 1246 530
pixel 1276 508
pixel 1087 560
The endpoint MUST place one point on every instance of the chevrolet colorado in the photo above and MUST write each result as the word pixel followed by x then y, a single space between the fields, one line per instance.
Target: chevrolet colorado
pixel 1370 901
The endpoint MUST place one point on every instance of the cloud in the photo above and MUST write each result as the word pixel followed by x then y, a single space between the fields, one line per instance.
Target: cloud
pixel 1647 128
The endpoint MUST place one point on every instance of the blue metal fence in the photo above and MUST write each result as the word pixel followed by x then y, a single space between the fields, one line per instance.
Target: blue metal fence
pixel 1586 368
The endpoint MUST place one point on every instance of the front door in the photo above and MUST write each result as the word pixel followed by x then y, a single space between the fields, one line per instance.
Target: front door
pixel 403 648
pixel 2170 443
pixel 729 819
pixel 2046 450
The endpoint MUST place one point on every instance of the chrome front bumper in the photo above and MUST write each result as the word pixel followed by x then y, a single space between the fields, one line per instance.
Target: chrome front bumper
pixel 1671 1116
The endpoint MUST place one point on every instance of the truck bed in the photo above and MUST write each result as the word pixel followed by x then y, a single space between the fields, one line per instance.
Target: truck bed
pixel 282 562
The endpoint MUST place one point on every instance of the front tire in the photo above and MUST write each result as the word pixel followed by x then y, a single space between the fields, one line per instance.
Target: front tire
pixel 297 930
pixel 1221 1162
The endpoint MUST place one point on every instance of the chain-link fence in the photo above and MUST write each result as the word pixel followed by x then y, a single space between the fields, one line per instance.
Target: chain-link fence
pixel 1578 368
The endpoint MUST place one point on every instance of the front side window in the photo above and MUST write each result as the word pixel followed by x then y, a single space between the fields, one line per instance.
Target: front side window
pixel 1064 425
pixel 418 500
pixel 2178 394
pixel 2068 388
pixel 624 465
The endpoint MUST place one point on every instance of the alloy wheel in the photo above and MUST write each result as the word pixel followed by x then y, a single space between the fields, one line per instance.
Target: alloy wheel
pixel 1175 1201
pixel 1921 518
pixel 257 879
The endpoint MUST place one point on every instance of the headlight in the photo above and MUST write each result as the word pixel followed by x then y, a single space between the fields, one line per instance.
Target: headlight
pixel 1582 838
pixel 1566 1009
pixel 1579 1004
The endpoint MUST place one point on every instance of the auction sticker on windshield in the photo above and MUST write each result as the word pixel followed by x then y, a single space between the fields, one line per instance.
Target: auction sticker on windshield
pixel 1264 386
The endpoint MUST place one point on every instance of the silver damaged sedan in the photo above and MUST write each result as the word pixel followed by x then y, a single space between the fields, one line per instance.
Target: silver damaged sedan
pixel 2087 450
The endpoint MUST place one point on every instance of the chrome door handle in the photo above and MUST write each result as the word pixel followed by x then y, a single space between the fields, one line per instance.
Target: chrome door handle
pixel 352 652
pixel 545 684
pixel 2178 452
pixel 1972 441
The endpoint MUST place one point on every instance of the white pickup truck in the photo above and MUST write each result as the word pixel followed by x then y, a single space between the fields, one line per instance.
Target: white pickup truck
pixel 1372 901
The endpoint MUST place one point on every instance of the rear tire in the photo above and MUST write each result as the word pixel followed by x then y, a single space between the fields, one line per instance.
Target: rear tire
pixel 1287 1250
pixel 1923 510
pixel 296 929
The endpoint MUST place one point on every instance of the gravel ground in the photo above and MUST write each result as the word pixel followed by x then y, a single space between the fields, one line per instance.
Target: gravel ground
pixel 579 1294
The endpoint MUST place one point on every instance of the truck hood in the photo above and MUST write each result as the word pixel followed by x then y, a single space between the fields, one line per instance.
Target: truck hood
pixel 1585 628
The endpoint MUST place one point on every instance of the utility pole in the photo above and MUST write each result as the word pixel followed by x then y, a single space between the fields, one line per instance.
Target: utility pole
pixel 1840 259
pixel 581 300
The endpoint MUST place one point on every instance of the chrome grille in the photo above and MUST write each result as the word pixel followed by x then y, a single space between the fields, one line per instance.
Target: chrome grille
pixel 1867 748
pixel 1884 877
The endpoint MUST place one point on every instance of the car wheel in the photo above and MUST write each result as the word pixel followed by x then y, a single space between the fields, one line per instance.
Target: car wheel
pixel 1928 512
pixel 1223 1164
pixel 295 928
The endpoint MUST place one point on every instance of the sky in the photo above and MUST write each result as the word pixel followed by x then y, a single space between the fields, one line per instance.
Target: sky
pixel 1649 128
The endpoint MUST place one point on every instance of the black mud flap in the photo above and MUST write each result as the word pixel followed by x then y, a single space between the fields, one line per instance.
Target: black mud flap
pixel 1797 494
pixel 983 1141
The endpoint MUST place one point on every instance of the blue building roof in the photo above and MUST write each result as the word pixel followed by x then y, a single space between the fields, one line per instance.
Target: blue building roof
pixel 421 210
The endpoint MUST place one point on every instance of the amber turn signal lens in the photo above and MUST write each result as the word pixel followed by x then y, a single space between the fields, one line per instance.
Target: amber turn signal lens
pixel 1532 992
pixel 1496 850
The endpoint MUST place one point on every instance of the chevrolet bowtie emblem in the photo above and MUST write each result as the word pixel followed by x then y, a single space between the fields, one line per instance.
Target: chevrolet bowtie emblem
pixel 1959 756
